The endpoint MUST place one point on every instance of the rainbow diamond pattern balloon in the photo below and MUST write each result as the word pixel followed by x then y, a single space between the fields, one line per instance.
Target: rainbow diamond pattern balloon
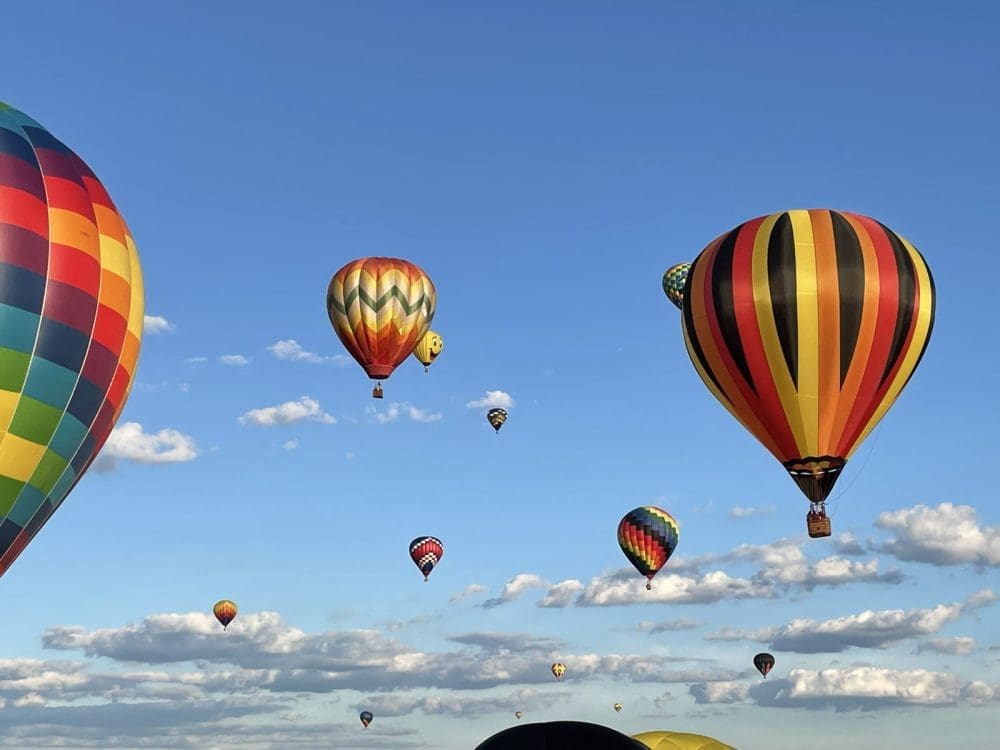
pixel 71 314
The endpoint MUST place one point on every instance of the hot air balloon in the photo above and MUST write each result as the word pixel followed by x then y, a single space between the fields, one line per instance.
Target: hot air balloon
pixel 71 315
pixel 496 418
pixel 764 663
pixel 225 612
pixel 558 669
pixel 806 325
pixel 679 741
pixel 518 714
pixel 428 348
pixel 673 283
pixel 366 718
pixel 380 308
pixel 426 552
pixel 618 708
pixel 648 536
pixel 560 735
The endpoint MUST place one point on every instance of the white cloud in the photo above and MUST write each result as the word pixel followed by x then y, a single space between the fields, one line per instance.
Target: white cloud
pixel 394 410
pixel 234 360
pixel 868 629
pixel 471 590
pixel 350 455
pixel 290 445
pixel 784 563
pixel 740 512
pixel 515 587
pixel 155 324
pixel 195 360
pixel 946 535
pixel 290 349
pixel 958 646
pixel 128 442
pixel 492 400
pixel 305 408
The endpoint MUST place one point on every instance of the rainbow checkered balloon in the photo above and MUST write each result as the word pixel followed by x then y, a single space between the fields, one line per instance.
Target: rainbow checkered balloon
pixel 71 313
pixel 648 536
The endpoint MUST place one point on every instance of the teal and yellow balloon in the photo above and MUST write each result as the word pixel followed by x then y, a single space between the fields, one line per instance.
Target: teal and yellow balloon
pixel 674 279
pixel 648 536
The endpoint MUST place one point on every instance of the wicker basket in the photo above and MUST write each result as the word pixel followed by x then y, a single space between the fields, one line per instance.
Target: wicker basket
pixel 818 525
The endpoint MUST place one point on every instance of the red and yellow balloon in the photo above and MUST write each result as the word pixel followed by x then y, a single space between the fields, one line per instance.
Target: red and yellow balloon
pixel 380 309
pixel 806 325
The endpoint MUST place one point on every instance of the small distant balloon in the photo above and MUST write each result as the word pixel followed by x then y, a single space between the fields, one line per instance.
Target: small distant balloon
pixel 426 552
pixel 496 418
pixel 366 718
pixel 764 663
pixel 558 669
pixel 518 714
pixel 225 612
pixel 618 708
pixel 674 279
pixel 428 349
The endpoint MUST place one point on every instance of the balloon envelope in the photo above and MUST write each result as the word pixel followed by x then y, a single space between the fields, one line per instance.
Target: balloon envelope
pixel 428 348
pixel 225 612
pixel 560 735
pixel 679 741
pixel 648 536
pixel 674 279
pixel 764 663
pixel 71 316
pixel 496 418
pixel 380 308
pixel 806 325
pixel 426 552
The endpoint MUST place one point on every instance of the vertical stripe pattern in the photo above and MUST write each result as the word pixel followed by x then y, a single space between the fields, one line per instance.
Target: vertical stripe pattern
pixel 806 326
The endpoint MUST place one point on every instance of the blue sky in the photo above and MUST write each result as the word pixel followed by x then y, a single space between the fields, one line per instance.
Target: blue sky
pixel 544 163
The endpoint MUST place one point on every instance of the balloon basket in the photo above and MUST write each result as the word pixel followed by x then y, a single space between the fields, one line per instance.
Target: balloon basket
pixel 377 391
pixel 817 522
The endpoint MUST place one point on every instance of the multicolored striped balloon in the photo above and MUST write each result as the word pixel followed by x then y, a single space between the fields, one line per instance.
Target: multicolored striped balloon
pixel 806 325
pixel 71 314
pixel 648 536
pixel 674 279
pixel 426 552
pixel 380 309
pixel 225 612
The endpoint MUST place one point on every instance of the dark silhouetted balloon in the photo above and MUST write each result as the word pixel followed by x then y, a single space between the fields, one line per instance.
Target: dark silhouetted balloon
pixel 560 735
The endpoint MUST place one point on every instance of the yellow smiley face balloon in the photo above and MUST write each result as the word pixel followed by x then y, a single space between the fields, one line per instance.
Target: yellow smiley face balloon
pixel 428 348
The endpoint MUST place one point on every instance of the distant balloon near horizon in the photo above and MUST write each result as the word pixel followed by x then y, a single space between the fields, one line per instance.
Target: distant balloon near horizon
pixel 674 279
pixel 679 741
pixel 366 718
pixel 558 669
pixel 71 317
pixel 380 308
pixel 806 325
pixel 764 663
pixel 225 612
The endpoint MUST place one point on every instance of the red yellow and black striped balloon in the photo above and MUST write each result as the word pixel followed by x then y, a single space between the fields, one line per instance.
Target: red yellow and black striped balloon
pixel 806 325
